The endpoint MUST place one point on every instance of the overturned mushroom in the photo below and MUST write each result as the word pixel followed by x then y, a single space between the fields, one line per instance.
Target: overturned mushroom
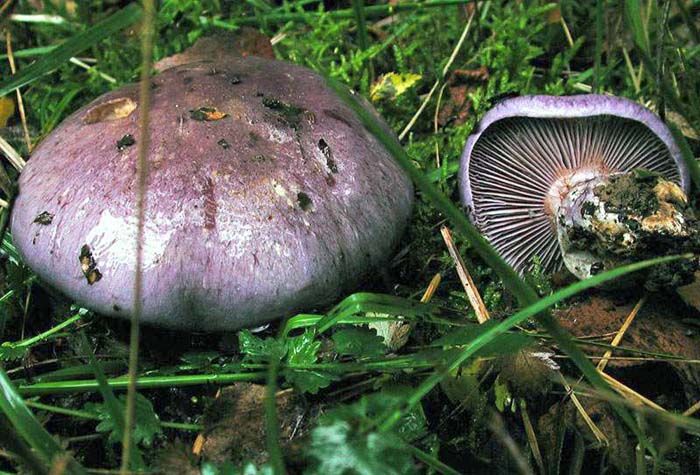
pixel 548 177
pixel 265 196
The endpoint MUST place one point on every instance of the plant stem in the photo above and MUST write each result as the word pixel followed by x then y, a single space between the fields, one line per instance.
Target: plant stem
pixel 147 32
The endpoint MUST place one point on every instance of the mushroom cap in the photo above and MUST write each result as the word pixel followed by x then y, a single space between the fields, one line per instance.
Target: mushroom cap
pixel 265 196
pixel 526 153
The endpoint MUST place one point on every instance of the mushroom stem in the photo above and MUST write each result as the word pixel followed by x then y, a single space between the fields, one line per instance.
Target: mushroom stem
pixel 607 220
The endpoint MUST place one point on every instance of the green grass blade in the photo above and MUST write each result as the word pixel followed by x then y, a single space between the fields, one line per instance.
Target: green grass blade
pixel 378 303
pixel 124 17
pixel 687 154
pixel 599 10
pixel 111 402
pixel 26 425
pixel 633 14
pixel 272 432
pixel 523 292
pixel 146 382
pixel 530 311
pixel 371 11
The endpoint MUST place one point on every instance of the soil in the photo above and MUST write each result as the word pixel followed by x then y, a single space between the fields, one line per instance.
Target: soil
pixel 663 325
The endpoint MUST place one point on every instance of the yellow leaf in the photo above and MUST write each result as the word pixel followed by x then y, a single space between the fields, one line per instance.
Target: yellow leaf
pixel 392 85
pixel 7 109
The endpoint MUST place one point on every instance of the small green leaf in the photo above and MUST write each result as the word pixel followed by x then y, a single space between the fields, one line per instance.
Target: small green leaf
pixel 302 349
pixel 10 352
pixel 337 449
pixel 256 349
pixel 392 85
pixel 307 381
pixel 503 398
pixel 360 342
pixel 227 468
pixel 147 422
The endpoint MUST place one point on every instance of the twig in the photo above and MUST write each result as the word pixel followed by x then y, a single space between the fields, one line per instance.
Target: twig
pixel 692 409
pixel 630 393
pixel 621 333
pixel 531 437
pixel 87 67
pixel 436 117
pixel 600 437
pixel 431 289
pixel 455 51
pixel 567 32
pixel 14 158
pixel 147 31
pixel 20 102
pixel 482 314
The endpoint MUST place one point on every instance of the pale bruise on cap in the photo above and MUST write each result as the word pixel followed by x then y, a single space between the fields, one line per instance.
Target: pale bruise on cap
pixel 265 197
pixel 532 159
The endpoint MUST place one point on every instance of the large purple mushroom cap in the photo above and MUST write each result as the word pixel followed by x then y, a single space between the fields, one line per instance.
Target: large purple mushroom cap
pixel 265 196
pixel 527 153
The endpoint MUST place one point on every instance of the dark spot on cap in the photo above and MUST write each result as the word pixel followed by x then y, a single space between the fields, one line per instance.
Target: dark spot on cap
pixel 304 201
pixel 207 114
pixel 126 141
pixel 44 218
pixel 260 158
pixel 234 79
pixel 223 144
pixel 187 80
pixel 288 113
pixel 88 265
pixel 326 151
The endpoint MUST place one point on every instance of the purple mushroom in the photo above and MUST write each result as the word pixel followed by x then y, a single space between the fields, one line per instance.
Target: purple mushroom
pixel 550 177
pixel 265 196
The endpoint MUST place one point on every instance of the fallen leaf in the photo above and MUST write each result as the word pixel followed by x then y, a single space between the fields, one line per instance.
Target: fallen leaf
pixel 207 114
pixel 392 85
pixel 7 110
pixel 244 42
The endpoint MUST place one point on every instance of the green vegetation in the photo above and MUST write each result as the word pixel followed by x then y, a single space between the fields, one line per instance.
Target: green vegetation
pixel 459 397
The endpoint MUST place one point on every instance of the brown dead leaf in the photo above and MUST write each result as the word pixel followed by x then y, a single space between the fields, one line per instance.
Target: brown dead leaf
pixel 659 327
pixel 244 42
pixel 478 74
pixel 554 15
pixel 207 114
pixel 457 107
pixel 527 372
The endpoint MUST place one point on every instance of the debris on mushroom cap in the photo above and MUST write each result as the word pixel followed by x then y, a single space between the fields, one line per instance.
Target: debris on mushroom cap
pixel 528 153
pixel 265 196
pixel 620 218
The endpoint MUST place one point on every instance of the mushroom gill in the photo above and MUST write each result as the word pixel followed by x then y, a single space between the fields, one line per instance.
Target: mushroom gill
pixel 535 162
